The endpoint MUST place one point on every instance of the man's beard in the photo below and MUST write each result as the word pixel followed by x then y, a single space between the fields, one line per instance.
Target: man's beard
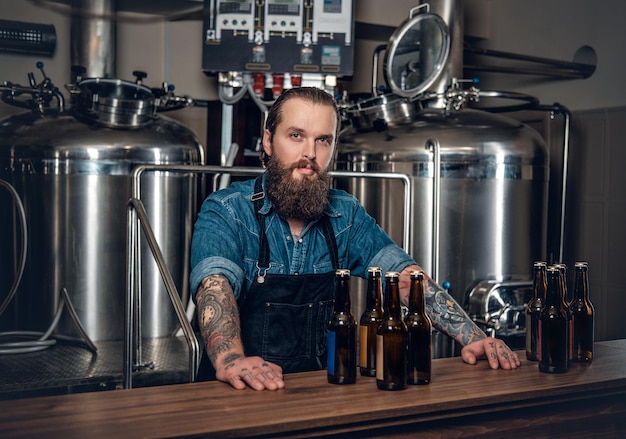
pixel 305 198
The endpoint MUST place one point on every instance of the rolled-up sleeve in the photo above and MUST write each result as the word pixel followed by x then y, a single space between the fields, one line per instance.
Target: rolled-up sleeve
pixel 216 245
pixel 216 265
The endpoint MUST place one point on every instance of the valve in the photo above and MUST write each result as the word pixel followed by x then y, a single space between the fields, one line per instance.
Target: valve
pixel 41 94
pixel 457 97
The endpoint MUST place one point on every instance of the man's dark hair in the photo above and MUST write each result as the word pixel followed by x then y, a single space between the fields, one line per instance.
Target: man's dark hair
pixel 311 94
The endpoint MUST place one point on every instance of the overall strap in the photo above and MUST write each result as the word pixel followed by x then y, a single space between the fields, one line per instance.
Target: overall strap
pixel 264 248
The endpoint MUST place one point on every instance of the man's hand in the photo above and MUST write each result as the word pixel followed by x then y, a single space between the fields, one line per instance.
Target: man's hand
pixel 255 372
pixel 495 351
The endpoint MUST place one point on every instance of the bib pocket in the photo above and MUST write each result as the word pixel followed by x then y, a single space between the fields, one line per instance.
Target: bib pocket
pixel 287 331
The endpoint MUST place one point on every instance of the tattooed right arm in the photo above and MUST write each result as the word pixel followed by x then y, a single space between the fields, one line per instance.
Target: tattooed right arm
pixel 218 319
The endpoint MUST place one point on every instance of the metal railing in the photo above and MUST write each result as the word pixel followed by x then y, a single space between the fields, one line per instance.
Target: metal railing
pixel 136 216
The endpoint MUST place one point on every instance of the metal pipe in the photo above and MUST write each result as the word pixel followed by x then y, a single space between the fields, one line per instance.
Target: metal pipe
pixel 92 37
pixel 243 170
pixel 434 146
pixel 558 108
pixel 563 69
pixel 377 51
pixel 136 206
pixel 129 308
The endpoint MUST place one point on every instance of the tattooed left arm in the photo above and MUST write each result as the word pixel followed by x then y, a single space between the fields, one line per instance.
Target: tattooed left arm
pixel 448 317
pixel 445 313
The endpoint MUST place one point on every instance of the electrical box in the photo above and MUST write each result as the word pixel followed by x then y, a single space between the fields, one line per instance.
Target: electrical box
pixel 289 36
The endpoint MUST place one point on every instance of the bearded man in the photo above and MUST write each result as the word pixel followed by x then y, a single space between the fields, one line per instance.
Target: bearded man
pixel 265 251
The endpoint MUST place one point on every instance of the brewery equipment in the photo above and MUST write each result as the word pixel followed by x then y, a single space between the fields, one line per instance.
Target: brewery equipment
pixel 71 167
pixel 479 208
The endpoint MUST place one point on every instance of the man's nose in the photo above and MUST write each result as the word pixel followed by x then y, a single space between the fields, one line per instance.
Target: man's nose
pixel 309 150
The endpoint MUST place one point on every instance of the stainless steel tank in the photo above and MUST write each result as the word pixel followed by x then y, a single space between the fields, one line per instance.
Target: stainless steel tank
pixel 480 180
pixel 72 170
pixel 493 190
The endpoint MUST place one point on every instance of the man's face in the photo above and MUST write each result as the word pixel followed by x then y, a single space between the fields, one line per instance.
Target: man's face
pixel 305 136
pixel 300 154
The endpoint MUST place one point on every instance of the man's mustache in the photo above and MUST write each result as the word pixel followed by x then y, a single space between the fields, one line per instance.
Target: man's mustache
pixel 307 164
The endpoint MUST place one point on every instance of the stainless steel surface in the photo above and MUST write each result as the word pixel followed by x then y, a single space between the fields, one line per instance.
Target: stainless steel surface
pixel 494 174
pixel 92 37
pixel 116 103
pixel 451 11
pixel 416 54
pixel 500 307
pixel 382 110
pixel 566 114
pixel 534 65
pixel 73 174
pixel 136 209
pixel 377 50
pixel 69 368
pixel 434 146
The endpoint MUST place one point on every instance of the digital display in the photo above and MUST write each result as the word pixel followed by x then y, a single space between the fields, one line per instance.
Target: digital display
pixel 332 6
pixel 236 6
pixel 283 7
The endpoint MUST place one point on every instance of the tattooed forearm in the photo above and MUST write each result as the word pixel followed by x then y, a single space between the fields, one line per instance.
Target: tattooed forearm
pixel 448 317
pixel 218 319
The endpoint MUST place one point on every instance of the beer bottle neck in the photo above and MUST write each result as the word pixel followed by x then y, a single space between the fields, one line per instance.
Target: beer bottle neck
pixel 342 294
pixel 374 291
pixel 539 283
pixel 581 289
pixel 392 299
pixel 553 291
pixel 416 295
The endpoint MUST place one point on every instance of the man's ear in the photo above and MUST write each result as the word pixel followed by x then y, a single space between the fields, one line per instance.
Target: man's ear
pixel 267 143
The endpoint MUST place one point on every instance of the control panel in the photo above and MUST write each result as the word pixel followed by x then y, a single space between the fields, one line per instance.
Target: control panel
pixel 287 36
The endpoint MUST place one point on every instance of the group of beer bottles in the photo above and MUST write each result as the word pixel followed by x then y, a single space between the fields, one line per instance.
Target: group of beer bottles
pixel 395 350
pixel 558 333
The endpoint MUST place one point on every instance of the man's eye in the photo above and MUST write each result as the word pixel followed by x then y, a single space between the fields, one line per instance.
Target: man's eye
pixel 295 135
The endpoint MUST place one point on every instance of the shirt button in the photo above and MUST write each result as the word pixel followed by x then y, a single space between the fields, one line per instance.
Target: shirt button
pixel 300 240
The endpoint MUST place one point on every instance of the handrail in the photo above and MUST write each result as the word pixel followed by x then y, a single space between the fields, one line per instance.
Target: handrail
pixel 137 209
pixel 136 213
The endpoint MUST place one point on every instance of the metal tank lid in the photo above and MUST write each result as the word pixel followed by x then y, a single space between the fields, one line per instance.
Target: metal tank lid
pixel 114 102
pixel 416 53
pixel 415 56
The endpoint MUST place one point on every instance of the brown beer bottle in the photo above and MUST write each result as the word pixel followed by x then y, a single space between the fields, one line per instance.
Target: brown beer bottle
pixel 370 319
pixel 342 334
pixel 553 325
pixel 533 310
pixel 563 292
pixel 418 326
pixel 582 312
pixel 391 339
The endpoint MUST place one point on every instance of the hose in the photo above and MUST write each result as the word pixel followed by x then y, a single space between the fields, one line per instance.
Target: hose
pixel 22 258
pixel 33 341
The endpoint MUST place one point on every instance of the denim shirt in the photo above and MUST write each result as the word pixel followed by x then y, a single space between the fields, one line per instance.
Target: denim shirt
pixel 226 240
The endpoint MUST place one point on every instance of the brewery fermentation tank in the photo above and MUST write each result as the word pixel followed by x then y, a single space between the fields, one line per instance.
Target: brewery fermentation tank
pixel 492 198
pixel 479 179
pixel 72 169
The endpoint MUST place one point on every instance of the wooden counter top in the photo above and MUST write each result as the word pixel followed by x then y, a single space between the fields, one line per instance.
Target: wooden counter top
pixel 461 401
